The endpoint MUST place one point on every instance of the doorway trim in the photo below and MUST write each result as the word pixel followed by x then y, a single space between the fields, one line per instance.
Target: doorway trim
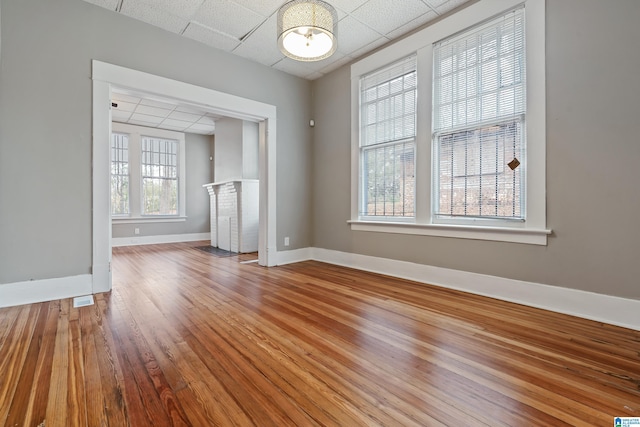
pixel 106 76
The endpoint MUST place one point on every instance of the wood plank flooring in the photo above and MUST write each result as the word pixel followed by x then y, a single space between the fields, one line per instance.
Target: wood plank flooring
pixel 189 339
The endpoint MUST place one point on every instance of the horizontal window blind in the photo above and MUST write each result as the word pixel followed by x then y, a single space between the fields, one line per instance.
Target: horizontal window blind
pixel 479 75
pixel 387 140
pixel 388 103
pixel 159 176
pixel 479 108
pixel 119 174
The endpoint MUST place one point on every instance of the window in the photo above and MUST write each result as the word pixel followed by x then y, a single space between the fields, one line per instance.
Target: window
pixel 159 176
pixel 462 152
pixel 479 111
pixel 387 144
pixel 119 174
pixel 147 174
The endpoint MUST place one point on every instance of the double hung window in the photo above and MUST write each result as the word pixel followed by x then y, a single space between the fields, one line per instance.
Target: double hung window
pixel 119 174
pixel 388 140
pixel 479 113
pixel 159 176
pixel 147 173
pixel 448 128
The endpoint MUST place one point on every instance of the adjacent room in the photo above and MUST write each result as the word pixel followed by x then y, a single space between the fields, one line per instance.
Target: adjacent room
pixel 319 213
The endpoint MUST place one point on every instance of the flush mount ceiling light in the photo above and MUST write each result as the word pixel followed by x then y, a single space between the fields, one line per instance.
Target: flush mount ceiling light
pixel 307 30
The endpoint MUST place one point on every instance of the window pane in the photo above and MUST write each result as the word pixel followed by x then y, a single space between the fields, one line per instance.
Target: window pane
pixel 119 174
pixel 388 129
pixel 159 176
pixel 475 177
pixel 389 180
pixel 479 105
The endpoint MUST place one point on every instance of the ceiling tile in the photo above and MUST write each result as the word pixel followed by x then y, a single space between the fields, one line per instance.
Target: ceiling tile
pixel 182 8
pixel 347 5
pixel 174 128
pixel 295 68
pixel 211 37
pixel 190 109
pixel 364 25
pixel 450 5
pixel 265 8
pixel 368 48
pixel 152 111
pixel 386 16
pixel 120 116
pixel 125 106
pixel 434 4
pixel 178 124
pixel 153 14
pixel 187 117
pixel 321 65
pixel 227 17
pixel 352 35
pixel 410 26
pixel 262 45
pixel 149 120
pixel 159 104
pixel 115 96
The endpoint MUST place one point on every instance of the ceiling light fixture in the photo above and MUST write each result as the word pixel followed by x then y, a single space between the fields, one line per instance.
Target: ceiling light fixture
pixel 307 30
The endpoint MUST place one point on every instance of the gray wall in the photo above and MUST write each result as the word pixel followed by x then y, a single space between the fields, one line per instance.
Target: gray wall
pixel 250 150
pixel 198 172
pixel 593 154
pixel 236 150
pixel 45 125
pixel 228 148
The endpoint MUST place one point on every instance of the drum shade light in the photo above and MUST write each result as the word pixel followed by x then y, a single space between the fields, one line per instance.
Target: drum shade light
pixel 307 30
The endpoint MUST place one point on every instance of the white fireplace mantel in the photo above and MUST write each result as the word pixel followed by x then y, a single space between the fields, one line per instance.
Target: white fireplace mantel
pixel 234 208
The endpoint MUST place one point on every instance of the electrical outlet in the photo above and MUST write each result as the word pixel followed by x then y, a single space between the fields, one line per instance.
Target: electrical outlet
pixel 136 231
pixel 286 241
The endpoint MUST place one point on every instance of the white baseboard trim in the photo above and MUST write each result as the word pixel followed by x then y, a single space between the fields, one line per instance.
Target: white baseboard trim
pixel 589 305
pixel 34 291
pixel 292 256
pixel 156 240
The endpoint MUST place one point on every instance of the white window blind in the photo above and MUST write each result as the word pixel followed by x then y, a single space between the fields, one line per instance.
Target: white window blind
pixel 387 140
pixel 159 176
pixel 479 109
pixel 119 174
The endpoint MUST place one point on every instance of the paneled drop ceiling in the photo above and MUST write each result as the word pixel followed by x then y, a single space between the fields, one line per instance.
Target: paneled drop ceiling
pixel 247 28
pixel 143 110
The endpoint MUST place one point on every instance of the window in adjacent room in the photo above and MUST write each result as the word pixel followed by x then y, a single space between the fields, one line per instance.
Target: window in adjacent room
pixel 119 174
pixel 159 176
pixel 147 174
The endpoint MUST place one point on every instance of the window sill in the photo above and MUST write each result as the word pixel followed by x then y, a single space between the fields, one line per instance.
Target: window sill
pixel 147 219
pixel 499 234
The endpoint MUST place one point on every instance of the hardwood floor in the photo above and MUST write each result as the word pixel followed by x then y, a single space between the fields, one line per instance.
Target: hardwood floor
pixel 186 338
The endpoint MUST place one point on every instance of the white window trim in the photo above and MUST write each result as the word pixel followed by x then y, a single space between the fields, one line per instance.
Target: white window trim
pixel 135 187
pixel 531 231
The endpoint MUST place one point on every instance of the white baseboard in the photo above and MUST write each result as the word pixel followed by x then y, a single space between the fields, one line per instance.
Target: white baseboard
pixel 293 256
pixel 155 240
pixel 589 305
pixel 34 291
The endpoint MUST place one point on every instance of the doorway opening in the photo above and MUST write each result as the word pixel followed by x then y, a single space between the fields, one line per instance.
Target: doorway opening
pixel 108 77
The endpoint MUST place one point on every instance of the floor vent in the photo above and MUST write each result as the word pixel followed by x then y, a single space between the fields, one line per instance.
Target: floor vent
pixel 83 301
